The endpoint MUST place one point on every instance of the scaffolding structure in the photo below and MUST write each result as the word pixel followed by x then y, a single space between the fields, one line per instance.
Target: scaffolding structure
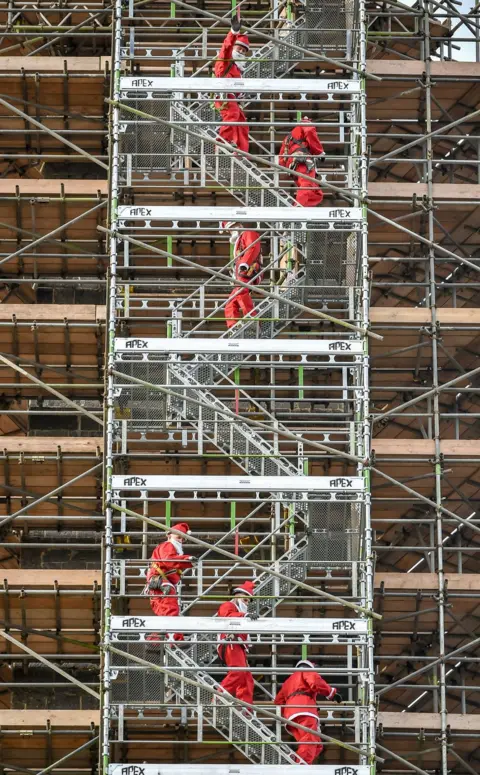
pixel 325 446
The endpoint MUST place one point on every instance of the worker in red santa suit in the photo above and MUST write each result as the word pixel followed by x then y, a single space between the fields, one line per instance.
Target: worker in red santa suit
pixel 300 149
pixel 164 574
pixel 230 63
pixel 298 698
pixel 247 253
pixel 233 647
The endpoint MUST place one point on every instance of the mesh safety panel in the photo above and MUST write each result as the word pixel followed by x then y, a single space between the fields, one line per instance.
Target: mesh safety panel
pixel 191 143
pixel 334 532
pixel 327 22
pixel 133 682
pixel 274 61
pixel 269 586
pixel 235 439
pixel 331 261
pixel 148 143
pixel 142 405
pixel 276 317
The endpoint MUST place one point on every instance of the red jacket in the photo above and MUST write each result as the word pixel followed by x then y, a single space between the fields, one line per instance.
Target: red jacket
pixel 167 561
pixel 226 67
pixel 298 695
pixel 303 139
pixel 230 609
pixel 248 257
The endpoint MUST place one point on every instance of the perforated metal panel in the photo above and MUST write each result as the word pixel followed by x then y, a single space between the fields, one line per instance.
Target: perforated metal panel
pixel 133 683
pixel 331 261
pixel 275 61
pixel 327 22
pixel 294 567
pixel 145 146
pixel 334 532
pixel 142 405
pixel 180 114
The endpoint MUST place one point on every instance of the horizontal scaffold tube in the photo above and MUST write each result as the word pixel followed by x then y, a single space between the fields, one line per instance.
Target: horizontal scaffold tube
pixel 250 563
pixel 227 278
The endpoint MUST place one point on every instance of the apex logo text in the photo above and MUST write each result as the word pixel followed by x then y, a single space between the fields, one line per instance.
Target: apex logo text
pixel 134 481
pixel 338 85
pixel 138 344
pixel 339 213
pixel 142 82
pixel 344 624
pixel 143 212
pixel 341 482
pixel 344 346
pixel 346 771
pixel 133 621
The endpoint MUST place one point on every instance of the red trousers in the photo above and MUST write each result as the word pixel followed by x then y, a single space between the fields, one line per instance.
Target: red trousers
pixel 166 605
pixel 310 745
pixel 234 134
pixel 309 193
pixel 239 303
pixel 238 684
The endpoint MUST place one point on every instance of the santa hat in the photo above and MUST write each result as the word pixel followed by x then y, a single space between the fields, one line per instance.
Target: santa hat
pixel 307 118
pixel 242 40
pixel 306 663
pixel 226 225
pixel 182 527
pixel 247 588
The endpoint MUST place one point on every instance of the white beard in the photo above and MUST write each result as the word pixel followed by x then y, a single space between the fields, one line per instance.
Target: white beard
pixel 233 237
pixel 242 606
pixel 177 544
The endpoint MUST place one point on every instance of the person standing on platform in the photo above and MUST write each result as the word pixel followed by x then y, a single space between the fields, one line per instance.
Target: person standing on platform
pixel 233 647
pixel 299 152
pixel 164 574
pixel 230 63
pixel 298 698
pixel 247 253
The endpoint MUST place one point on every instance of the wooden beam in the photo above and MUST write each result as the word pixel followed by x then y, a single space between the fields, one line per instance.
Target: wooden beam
pixel 457 582
pixel 43 444
pixel 462 316
pixel 31 719
pixel 416 316
pixel 40 187
pixel 425 447
pixel 45 579
pixel 415 69
pixel 50 64
pixel 456 721
pixel 382 67
pixel 77 579
pixel 441 191
pixel 89 313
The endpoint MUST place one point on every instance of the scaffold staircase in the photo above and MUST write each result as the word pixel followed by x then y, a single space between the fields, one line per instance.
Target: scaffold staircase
pixel 196 157
pixel 243 179
pixel 242 728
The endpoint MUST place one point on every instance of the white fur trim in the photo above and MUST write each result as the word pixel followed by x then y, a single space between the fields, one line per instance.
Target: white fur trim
pixel 302 713
pixel 305 662
pixel 332 694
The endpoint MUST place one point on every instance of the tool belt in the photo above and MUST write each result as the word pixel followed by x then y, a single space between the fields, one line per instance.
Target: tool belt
pixel 298 157
pixel 163 575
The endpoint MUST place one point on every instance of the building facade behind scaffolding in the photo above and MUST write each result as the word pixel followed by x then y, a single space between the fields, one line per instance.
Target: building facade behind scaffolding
pixel 192 339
